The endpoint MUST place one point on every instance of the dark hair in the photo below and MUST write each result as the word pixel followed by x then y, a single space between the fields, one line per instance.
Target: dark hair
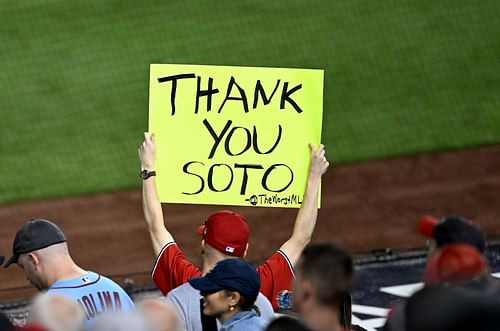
pixel 245 303
pixel 286 323
pixel 345 311
pixel 330 270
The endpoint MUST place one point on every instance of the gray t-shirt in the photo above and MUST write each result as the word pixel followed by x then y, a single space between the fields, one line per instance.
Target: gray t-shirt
pixel 186 300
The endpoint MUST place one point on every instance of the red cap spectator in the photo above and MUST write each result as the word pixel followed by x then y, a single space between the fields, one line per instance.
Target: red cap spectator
pixel 227 232
pixel 454 263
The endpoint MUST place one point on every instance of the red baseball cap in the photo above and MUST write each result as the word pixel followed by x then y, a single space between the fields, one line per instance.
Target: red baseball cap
pixel 454 263
pixel 426 226
pixel 226 231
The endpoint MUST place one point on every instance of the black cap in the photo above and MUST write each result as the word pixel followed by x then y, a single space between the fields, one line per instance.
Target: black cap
pixel 455 229
pixel 231 274
pixel 35 234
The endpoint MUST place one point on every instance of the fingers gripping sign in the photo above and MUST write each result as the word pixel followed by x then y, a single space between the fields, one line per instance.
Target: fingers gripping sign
pixel 147 151
pixel 319 163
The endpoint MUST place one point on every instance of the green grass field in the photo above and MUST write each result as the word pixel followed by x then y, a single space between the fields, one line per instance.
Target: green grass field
pixel 400 77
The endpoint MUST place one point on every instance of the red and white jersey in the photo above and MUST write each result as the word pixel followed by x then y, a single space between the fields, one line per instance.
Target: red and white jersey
pixel 172 269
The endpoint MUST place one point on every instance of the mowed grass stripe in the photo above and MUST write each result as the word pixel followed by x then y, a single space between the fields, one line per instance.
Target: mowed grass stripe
pixel 400 78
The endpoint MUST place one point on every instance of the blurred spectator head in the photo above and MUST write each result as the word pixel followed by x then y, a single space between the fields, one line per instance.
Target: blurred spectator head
pixel 56 313
pixel 159 314
pixel 324 278
pixel 287 323
pixel 454 263
pixel 451 230
pixel 120 322
pixel 457 308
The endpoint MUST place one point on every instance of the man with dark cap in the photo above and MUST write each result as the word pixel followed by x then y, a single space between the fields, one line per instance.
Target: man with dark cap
pixel 40 249
pixel 451 230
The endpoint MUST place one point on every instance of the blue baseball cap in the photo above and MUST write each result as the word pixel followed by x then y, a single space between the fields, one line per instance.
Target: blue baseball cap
pixel 230 274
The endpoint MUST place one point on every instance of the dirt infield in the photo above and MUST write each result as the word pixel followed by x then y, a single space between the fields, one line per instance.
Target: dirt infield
pixel 366 206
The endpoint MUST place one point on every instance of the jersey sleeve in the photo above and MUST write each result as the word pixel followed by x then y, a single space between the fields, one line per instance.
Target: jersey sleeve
pixel 172 269
pixel 276 275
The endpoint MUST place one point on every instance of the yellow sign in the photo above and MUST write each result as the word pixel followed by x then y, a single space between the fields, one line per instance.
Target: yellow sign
pixel 234 135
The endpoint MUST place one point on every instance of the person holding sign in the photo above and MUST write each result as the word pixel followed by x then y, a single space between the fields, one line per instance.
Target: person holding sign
pixel 225 235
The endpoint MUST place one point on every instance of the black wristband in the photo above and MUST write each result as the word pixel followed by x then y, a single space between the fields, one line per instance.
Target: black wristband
pixel 145 174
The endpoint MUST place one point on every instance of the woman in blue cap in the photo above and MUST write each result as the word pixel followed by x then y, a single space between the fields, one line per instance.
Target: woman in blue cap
pixel 229 291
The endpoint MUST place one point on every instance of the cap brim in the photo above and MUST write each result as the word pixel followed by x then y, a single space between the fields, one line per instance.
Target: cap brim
pixel 201 230
pixel 426 226
pixel 203 284
pixel 13 259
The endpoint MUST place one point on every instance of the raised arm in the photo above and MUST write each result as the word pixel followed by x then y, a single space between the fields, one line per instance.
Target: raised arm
pixel 150 202
pixel 308 212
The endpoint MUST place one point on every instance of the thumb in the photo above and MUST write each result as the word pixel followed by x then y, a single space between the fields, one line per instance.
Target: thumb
pixel 311 148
